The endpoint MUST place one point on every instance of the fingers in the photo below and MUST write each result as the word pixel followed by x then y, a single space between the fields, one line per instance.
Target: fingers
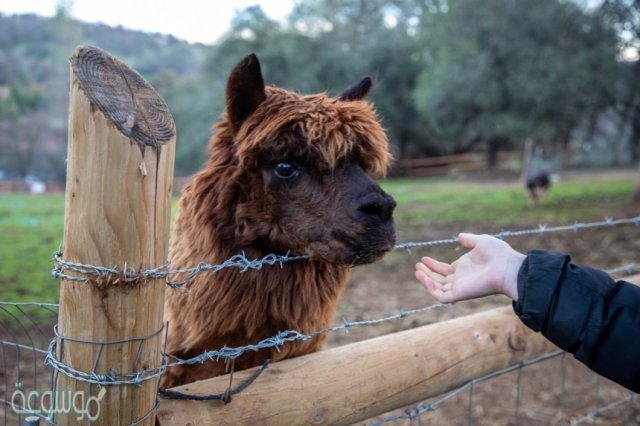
pixel 442 293
pixel 430 273
pixel 438 267
pixel 439 281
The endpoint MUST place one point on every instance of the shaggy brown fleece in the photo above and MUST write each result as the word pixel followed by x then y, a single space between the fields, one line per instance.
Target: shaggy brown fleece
pixel 287 173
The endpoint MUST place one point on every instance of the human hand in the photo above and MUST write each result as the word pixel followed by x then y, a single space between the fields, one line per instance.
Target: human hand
pixel 491 267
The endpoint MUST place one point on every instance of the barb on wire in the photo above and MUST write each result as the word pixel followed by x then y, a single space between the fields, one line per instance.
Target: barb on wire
pixel 541 229
pixel 102 274
pixel 628 269
pixel 225 353
pixel 66 269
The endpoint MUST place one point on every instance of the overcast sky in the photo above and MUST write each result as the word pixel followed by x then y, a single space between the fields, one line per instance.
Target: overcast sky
pixel 192 20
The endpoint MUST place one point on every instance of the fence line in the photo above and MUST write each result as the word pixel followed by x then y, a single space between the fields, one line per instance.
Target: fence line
pixel 466 162
pixel 101 274
pixel 541 229
pixel 225 353
pixel 230 353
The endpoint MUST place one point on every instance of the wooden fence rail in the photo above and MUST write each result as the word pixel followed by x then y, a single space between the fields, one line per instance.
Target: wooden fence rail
pixel 352 383
pixel 355 382
pixel 454 163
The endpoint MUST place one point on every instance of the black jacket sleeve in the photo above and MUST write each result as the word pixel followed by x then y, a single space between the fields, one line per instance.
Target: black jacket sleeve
pixel 583 311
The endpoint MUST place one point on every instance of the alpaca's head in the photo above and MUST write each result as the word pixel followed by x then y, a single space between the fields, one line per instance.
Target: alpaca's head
pixel 305 170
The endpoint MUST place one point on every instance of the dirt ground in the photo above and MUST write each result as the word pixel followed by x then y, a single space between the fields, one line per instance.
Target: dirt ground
pixel 388 287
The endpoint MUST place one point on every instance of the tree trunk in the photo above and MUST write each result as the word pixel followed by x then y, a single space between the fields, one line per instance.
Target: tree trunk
pixel 495 145
pixel 635 133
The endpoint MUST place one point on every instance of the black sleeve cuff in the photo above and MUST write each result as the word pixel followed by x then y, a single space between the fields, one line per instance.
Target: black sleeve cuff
pixel 541 272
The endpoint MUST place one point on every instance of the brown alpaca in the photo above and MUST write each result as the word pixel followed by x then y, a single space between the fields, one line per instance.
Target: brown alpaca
pixel 287 174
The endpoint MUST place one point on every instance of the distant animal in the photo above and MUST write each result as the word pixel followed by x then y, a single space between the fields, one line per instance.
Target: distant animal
pixel 537 185
pixel 287 173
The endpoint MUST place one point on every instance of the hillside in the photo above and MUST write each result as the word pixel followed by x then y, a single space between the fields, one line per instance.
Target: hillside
pixel 34 53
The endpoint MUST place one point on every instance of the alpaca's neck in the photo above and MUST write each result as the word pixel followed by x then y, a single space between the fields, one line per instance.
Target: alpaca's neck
pixel 232 307
pixel 300 295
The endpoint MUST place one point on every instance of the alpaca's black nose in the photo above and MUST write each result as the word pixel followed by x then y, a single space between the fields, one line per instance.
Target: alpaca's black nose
pixel 377 204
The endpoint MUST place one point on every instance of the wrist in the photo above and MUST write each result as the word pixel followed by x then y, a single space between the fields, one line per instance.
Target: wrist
pixel 512 267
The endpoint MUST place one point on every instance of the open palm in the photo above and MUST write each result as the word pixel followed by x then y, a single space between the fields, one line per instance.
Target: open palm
pixel 491 267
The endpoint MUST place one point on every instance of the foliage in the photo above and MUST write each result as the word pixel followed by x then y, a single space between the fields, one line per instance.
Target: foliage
pixel 496 75
pixel 34 81
pixel 624 17
pixel 451 75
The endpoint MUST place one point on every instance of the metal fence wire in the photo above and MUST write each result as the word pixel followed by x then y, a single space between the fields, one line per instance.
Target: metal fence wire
pixel 30 345
pixel 26 330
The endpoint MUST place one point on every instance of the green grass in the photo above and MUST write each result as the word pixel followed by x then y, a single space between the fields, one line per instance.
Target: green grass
pixel 30 231
pixel 422 202
pixel 31 227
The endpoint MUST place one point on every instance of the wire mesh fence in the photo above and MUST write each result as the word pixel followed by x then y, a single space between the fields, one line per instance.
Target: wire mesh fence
pixel 553 389
pixel 26 329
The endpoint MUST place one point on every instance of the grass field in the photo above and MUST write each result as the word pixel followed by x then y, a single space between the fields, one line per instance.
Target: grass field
pixel 31 227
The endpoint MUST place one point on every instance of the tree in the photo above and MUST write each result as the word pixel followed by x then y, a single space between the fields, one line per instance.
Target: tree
pixel 19 136
pixel 624 17
pixel 327 45
pixel 496 75
pixel 376 38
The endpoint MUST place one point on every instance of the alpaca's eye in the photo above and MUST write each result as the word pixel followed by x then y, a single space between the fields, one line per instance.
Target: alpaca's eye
pixel 286 170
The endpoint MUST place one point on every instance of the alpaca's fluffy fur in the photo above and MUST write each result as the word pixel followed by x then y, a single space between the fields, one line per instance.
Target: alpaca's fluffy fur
pixel 236 205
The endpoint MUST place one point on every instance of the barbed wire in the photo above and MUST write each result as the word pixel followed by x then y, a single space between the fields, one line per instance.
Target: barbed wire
pixel 229 353
pixel 541 229
pixel 104 274
pixel 224 353
pixel 628 269
pixel 111 377
pixel 80 272
pixel 101 274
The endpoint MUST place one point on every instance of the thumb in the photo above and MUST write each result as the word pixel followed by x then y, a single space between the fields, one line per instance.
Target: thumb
pixel 468 241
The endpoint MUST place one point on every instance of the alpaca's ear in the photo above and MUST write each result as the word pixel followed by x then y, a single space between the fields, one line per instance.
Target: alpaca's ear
pixel 358 91
pixel 245 91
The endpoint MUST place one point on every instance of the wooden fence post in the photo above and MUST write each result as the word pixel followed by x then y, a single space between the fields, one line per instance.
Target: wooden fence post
pixel 117 213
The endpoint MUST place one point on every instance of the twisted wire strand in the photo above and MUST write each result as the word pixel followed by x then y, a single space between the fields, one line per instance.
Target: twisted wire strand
pixel 541 229
pixel 111 377
pixel 240 261
pixel 96 273
pixel 225 353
